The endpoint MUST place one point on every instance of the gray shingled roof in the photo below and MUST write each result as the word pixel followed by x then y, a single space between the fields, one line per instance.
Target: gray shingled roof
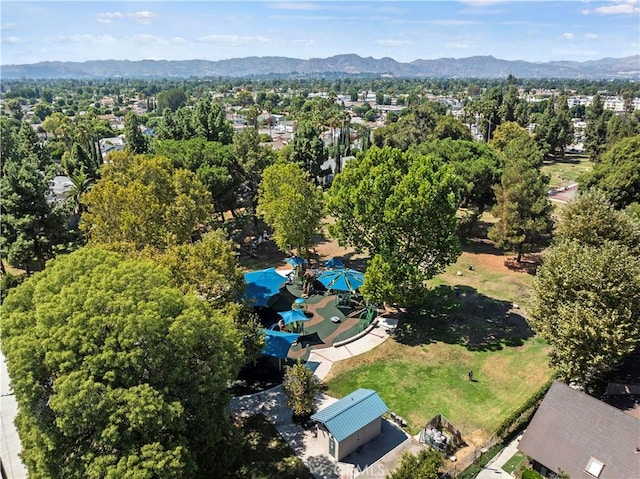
pixel 571 427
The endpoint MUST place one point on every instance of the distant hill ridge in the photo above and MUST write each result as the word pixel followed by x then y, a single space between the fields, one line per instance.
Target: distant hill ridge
pixel 348 64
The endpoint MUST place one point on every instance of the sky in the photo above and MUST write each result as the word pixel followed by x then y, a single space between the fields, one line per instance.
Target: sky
pixel 537 31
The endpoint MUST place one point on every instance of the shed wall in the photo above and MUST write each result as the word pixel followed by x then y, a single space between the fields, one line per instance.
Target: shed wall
pixel 358 438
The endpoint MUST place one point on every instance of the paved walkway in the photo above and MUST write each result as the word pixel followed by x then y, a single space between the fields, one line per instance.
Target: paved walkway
pixel 272 404
pixel 325 357
pixel 9 440
pixel 493 469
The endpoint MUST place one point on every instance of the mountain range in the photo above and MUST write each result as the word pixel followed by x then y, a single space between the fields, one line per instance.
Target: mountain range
pixel 349 64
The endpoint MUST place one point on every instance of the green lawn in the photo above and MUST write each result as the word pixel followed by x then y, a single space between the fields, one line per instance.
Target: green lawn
pixel 514 463
pixel 564 171
pixel 265 455
pixel 468 323
pixel 419 382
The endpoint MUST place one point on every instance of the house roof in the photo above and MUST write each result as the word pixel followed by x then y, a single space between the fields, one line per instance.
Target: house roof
pixel 574 432
pixel 351 413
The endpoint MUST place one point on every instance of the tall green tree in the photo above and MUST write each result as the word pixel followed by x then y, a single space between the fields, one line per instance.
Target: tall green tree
pixel 291 204
pixel 618 172
pixel 300 387
pixel 586 304
pixel 252 158
pixel 209 269
pixel 29 144
pixel 135 141
pixel 592 220
pixel 506 132
pixel 214 164
pixel 477 165
pixel 9 143
pixel 210 121
pixel 171 99
pixel 31 226
pixel 401 208
pixel 117 373
pixel 81 183
pixel 308 149
pixel 554 131
pixel 595 141
pixel 522 207
pixel 143 201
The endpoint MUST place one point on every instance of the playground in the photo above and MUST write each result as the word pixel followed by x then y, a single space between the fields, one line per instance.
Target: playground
pixel 300 310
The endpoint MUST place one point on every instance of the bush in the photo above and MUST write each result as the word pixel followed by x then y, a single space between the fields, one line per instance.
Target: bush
pixel 530 474
pixel 525 412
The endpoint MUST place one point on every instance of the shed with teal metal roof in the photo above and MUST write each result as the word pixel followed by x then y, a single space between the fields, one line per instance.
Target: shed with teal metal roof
pixel 349 423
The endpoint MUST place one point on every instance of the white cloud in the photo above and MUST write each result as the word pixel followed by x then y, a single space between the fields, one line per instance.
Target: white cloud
pixel 178 41
pixel 569 35
pixel 232 40
pixel 144 17
pixel 391 42
pixel 619 7
pixel 146 39
pixel 304 43
pixel 107 17
pixel 11 40
pixel 8 26
pixel 458 45
pixel 85 39
pixel 293 6
pixel 591 35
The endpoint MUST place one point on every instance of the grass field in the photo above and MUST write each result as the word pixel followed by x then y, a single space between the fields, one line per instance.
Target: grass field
pixel 266 455
pixel 514 463
pixel 468 323
pixel 564 171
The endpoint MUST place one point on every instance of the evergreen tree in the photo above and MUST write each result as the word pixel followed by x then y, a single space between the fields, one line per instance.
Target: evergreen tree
pixel 136 142
pixel 31 226
pixel 596 132
pixel 522 207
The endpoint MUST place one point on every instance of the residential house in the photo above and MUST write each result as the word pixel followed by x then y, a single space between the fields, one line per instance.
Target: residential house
pixel 583 437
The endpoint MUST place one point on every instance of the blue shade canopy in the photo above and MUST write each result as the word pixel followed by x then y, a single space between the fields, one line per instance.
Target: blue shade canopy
pixel 342 279
pixel 296 261
pixel 262 285
pixel 293 316
pixel 333 263
pixel 277 343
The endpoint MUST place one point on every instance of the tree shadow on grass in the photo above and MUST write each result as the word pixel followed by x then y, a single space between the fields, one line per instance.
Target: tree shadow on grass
pixel 461 315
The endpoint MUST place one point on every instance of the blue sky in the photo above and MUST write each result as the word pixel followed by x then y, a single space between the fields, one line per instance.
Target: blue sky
pixel 542 30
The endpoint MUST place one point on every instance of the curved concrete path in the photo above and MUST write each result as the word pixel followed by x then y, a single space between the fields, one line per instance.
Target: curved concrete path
pixel 327 356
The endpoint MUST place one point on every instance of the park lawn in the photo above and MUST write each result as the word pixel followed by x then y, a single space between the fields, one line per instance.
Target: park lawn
pixel 469 323
pixel 564 171
pixel 489 277
pixel 265 455
pixel 419 382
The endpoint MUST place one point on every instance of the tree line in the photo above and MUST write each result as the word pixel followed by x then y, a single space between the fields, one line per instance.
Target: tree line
pixel 120 353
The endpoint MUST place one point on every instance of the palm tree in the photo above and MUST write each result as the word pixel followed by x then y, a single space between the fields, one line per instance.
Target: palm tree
pixel 81 183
